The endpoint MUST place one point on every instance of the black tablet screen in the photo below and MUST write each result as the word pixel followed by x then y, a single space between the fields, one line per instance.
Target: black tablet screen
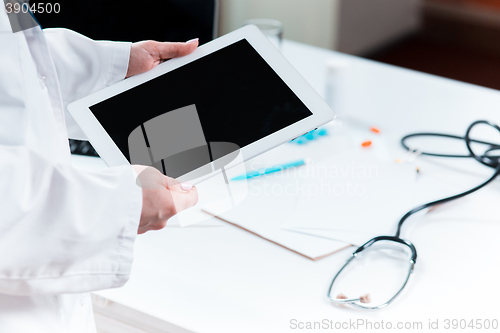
pixel 238 96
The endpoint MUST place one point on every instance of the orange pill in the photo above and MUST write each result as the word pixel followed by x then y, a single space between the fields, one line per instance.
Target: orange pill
pixel 375 129
pixel 366 144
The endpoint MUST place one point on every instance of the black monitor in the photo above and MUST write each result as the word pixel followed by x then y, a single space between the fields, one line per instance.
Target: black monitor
pixel 161 20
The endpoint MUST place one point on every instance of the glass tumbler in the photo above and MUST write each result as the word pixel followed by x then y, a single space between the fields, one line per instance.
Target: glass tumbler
pixel 273 29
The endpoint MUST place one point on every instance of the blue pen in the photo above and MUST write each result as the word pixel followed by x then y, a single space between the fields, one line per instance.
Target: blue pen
pixel 272 169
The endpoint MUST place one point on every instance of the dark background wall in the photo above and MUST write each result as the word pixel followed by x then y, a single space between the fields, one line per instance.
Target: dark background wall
pixel 459 39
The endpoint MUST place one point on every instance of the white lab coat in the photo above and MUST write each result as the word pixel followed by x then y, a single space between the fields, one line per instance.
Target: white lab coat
pixel 63 232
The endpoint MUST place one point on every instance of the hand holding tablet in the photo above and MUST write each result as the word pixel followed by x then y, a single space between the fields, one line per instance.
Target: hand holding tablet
pixel 147 54
pixel 195 116
pixel 162 198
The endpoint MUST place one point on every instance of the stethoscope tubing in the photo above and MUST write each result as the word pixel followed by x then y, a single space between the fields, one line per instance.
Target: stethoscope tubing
pixel 483 159
pixel 487 160
pixel 444 200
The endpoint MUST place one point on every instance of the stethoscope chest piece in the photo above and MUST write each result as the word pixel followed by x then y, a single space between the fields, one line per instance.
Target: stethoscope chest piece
pixel 375 274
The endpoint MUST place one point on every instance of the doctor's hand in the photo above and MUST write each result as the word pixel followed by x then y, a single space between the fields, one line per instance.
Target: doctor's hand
pixel 147 54
pixel 162 198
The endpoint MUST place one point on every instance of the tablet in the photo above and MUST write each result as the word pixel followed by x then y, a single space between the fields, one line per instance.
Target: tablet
pixel 236 92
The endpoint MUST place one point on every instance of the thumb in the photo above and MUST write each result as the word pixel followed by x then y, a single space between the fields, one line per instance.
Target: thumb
pixel 184 195
pixel 169 50
pixel 184 199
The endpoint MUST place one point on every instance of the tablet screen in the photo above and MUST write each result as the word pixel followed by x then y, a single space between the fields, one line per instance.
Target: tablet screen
pixel 238 96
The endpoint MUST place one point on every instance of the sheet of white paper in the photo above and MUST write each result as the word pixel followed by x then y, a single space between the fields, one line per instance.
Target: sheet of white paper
pixel 265 210
pixel 353 194
pixel 356 194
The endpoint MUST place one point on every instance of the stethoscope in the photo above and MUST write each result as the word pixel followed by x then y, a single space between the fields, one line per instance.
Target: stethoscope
pixel 486 159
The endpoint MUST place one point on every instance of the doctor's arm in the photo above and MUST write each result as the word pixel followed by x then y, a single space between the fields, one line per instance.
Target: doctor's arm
pixel 63 230
pixel 85 66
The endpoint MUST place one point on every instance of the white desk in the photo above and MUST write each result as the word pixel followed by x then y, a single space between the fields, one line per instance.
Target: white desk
pixel 223 279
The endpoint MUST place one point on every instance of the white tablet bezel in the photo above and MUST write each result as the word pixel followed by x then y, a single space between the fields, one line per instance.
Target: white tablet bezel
pixel 321 112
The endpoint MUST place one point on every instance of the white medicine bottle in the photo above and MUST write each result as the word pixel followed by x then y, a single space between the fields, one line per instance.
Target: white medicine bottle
pixel 337 86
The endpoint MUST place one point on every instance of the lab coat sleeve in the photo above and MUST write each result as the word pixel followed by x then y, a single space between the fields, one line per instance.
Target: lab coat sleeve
pixel 63 230
pixel 85 66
